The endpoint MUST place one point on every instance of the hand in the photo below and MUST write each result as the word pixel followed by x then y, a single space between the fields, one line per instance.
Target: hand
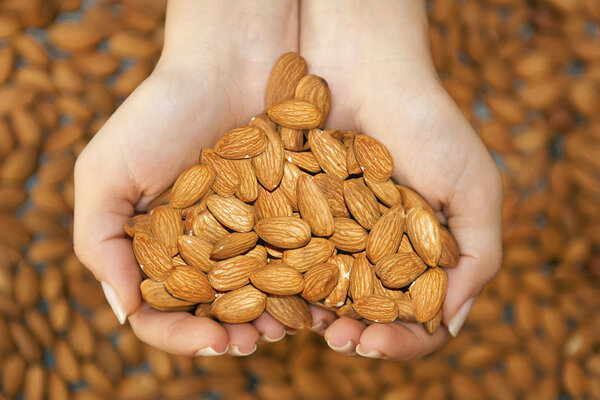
pixel 375 57
pixel 211 77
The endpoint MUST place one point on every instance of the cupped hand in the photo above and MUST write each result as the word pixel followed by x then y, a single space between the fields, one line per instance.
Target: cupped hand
pixel 210 78
pixel 376 59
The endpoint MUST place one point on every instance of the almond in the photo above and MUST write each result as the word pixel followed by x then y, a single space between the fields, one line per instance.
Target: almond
pixel 400 269
pixel 433 324
pixel 333 189
pixel 259 252
pixel 155 294
pixel 241 305
pixel 361 278
pixel 295 114
pixel 314 207
pixel 162 199
pixel 248 189
pixel 138 224
pixel 423 230
pixel 190 284
pixel 283 232
pixel 231 212
pixel 233 244
pixel 293 139
pixel 351 163
pixel 269 164
pixel 317 251
pixel 338 295
pixel 304 160
pixel 376 308
pixel 272 204
pixel 373 157
pixel 206 226
pixel 227 180
pixel 195 251
pixel 278 279
pixel 291 311
pixel 166 225
pixel 386 235
pixel 411 199
pixel 406 312
pixel 319 281
pixel 285 75
pixel 313 88
pixel 348 311
pixel 385 191
pixel 329 152
pixel 233 273
pixel 242 142
pixel 361 202
pixel 428 292
pixel 288 185
pixel 450 252
pixel 152 256
pixel 348 235
pixel 204 310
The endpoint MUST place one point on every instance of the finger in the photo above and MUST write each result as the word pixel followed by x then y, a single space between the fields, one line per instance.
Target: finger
pixel 321 319
pixel 398 341
pixel 179 332
pixel 344 334
pixel 242 339
pixel 269 328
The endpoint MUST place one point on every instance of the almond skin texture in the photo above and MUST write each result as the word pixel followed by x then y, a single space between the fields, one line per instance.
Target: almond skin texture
pixel 285 75
pixel 195 251
pixel 152 256
pixel 241 305
pixel 348 235
pixel 268 165
pixel 319 281
pixel 231 212
pixel 434 323
pixel 295 114
pixel 412 199
pixel 400 269
pixel 248 189
pixel 450 252
pixel 191 186
pixel 155 294
pixel 329 152
pixel 317 251
pixel 242 142
pixel 315 89
pixel 272 204
pixel 278 279
pixel 333 189
pixel 233 273
pixel 138 224
pixel 206 226
pixel 258 252
pixel 423 230
pixel 291 174
pixel 362 203
pixel 304 160
pixel 314 207
pixel 376 308
pixel 291 311
pixel 386 235
pixel 428 292
pixel 233 244
pixel 337 297
pixel 227 180
pixel 293 139
pixel 373 157
pixel 190 284
pixel 166 226
pixel 283 232
pixel 385 191
pixel 361 278
pixel 406 312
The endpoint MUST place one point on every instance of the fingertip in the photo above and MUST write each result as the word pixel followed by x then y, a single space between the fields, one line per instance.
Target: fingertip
pixel 242 339
pixel 343 330
pixel 321 319
pixel 269 328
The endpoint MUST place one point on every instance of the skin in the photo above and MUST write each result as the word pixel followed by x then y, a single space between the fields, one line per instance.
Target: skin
pixel 211 78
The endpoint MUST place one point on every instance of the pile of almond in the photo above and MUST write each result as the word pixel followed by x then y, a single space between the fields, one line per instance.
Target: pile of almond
pixel 282 214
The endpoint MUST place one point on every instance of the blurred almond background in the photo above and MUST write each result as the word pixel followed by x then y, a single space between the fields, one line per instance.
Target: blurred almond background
pixel 525 73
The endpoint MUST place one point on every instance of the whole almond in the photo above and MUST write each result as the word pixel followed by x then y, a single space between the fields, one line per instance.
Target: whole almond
pixel 166 225
pixel 348 235
pixel 333 189
pixel 269 164
pixel 373 157
pixel 155 294
pixel 285 75
pixel 304 160
pixel 295 114
pixel 411 199
pixel 233 244
pixel 272 204
pixel 329 152
pixel 362 203
pixel 241 142
pixel 241 305
pixel 450 252
pixel 293 139
pixel 289 182
pixel 361 278
pixel 423 230
pixel 376 308
pixel 338 295
pixel 278 279
pixel 233 273
pixel 227 180
pixel 434 323
pixel 385 191
pixel 314 207
pixel 206 226
pixel 386 235
pixel 231 212
pixel 400 269
pixel 152 256
pixel 317 251
pixel 319 281
pixel 191 186
pixel 195 251
pixel 190 284
pixel 283 232
pixel 291 311
pixel 248 189
pixel 428 292
pixel 313 88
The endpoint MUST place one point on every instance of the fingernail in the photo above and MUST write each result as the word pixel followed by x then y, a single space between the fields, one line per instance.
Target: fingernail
pixel 349 348
pixel 291 332
pixel 235 351
pixel 319 327
pixel 114 302
pixel 272 340
pixel 457 322
pixel 209 352
pixel 371 354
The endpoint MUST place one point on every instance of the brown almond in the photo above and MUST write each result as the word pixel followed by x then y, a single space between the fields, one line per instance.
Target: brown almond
pixel 166 225
pixel 152 256
pixel 333 189
pixel 376 308
pixel 423 230
pixel 412 199
pixel 400 269
pixel 258 252
pixel 285 75
pixel 373 157
pixel 272 204
pixel 362 203
pixel 434 323
pixel 450 252
pixel 138 224
pixel 314 207
pixel 386 235
pixel 233 244
pixel 428 292
pixel 305 160
pixel 385 191
pixel 268 165
pixel 317 251
pixel 190 284
pixel 351 163
pixel 195 251
pixel 348 235
pixel 241 142
pixel 347 310
pixel 361 278
pixel 278 279
pixel 313 88
pixel 329 152
pixel 291 311
pixel 248 189
pixel 295 114
pixel 231 212
pixel 206 226
pixel 241 305
pixel 406 312
pixel 338 295
pixel 289 183
pixel 191 186
pixel 227 180
pixel 233 273
pixel 283 232
pixel 292 139
pixel 319 281
pixel 155 294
